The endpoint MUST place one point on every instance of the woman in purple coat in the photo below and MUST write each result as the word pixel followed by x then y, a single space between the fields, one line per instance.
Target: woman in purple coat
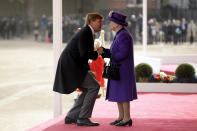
pixel 121 53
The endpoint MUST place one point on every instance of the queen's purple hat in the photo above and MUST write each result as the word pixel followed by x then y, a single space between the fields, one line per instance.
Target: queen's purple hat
pixel 117 18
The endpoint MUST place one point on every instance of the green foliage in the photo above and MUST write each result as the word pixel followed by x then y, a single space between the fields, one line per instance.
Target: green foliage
pixel 185 70
pixel 143 70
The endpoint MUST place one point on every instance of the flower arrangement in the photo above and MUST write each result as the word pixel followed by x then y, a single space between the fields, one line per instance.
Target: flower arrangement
pixel 183 74
pixel 163 77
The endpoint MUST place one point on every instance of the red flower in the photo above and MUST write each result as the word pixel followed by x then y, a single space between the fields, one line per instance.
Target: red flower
pixel 78 90
pixel 167 78
pixel 157 76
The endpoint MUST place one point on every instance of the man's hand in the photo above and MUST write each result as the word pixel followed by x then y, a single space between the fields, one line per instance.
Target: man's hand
pixel 100 50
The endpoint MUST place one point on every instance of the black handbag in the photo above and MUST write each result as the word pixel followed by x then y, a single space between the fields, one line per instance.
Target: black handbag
pixel 111 71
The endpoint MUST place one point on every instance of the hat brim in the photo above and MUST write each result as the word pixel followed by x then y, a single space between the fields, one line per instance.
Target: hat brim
pixel 117 22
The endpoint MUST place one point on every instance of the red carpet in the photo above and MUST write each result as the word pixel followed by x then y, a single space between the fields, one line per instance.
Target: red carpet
pixel 151 112
pixel 169 69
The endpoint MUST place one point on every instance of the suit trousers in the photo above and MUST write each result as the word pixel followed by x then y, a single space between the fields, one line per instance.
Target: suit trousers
pixel 84 104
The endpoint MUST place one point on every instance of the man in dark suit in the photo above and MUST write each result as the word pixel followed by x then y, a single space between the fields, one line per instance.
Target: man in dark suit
pixel 73 71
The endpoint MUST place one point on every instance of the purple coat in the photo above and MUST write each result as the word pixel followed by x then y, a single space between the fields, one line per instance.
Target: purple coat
pixel 121 53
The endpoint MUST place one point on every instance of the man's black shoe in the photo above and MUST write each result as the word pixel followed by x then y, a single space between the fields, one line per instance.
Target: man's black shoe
pixel 69 120
pixel 86 122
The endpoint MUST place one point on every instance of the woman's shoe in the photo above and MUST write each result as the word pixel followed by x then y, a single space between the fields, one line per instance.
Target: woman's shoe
pixel 121 123
pixel 115 122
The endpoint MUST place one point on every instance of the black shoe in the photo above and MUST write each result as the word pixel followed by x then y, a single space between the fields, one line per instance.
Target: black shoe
pixel 115 122
pixel 121 123
pixel 86 122
pixel 69 120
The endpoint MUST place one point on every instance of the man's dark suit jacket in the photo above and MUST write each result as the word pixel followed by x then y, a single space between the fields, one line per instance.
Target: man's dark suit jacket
pixel 73 62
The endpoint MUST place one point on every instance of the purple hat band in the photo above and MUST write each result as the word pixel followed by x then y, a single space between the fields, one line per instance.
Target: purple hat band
pixel 117 18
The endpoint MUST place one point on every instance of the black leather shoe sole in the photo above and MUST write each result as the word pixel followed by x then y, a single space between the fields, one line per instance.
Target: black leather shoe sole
pixel 129 123
pixel 87 124
pixel 69 121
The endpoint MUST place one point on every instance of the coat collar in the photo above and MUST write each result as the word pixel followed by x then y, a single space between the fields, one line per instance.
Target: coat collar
pixel 93 33
pixel 120 30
